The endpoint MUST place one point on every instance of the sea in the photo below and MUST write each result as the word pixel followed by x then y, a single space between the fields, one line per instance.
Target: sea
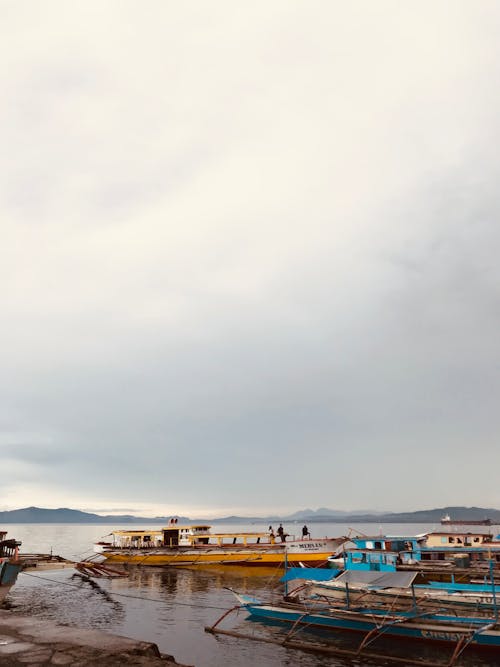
pixel 172 606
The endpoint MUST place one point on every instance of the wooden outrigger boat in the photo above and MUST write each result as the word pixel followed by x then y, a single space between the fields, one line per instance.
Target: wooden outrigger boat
pixel 195 545
pixel 441 625
pixel 413 624
pixel 384 590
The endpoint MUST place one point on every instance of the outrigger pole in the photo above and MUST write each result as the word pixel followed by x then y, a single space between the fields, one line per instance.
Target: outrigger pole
pixel 314 648
pixel 493 590
pixel 369 637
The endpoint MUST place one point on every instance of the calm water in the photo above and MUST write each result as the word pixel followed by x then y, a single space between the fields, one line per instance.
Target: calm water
pixel 172 606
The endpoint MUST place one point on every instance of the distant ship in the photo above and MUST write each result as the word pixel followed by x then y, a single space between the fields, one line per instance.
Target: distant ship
pixel 447 521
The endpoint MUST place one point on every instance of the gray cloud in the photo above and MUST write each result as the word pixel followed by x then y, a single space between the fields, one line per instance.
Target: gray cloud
pixel 248 255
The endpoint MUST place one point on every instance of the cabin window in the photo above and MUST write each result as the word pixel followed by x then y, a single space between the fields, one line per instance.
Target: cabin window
pixel 451 540
pixel 476 539
pixel 378 545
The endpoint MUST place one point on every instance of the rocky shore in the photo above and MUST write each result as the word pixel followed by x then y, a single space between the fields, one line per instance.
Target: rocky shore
pixel 30 642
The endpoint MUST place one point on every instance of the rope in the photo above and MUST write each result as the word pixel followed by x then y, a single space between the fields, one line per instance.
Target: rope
pixel 125 595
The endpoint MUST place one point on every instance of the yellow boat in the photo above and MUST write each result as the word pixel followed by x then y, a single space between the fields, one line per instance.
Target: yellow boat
pixel 193 545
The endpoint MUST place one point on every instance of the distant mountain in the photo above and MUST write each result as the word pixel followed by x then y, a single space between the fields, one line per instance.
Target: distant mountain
pixel 323 515
pixel 65 515
pixel 420 516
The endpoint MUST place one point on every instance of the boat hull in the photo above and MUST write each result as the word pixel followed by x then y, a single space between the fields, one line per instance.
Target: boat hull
pixel 8 576
pixel 196 557
pixel 435 629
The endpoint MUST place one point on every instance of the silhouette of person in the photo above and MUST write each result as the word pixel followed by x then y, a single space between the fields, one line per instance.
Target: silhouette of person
pixel 281 532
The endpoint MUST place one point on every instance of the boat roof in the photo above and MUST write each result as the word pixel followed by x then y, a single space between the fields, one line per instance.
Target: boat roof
pixel 385 538
pixel 239 534
pixel 461 532
pixel 377 579
pixel 186 526
pixel 137 533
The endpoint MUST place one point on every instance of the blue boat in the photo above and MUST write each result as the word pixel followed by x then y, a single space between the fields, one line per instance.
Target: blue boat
pixel 372 613
pixel 392 590
pixel 10 564
pixel 375 622
pixel 468 557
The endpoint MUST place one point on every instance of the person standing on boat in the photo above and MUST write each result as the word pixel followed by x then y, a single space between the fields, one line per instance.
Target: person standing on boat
pixel 281 533
pixel 305 532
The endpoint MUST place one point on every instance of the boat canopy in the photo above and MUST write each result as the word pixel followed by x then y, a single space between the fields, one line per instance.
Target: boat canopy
pixel 136 533
pixel 309 574
pixel 374 579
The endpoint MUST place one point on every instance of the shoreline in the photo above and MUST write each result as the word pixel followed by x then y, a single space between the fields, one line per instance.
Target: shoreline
pixel 26 640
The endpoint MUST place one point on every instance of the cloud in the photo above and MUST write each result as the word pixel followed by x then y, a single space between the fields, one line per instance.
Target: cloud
pixel 248 254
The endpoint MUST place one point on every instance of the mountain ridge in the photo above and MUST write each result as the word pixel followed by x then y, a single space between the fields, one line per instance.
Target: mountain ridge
pixel 323 515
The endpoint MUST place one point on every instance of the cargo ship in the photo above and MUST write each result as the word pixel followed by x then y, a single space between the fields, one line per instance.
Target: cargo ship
pixel 448 521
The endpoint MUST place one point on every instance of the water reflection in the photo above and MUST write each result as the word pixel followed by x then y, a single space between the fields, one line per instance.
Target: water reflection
pixel 68 598
pixel 172 607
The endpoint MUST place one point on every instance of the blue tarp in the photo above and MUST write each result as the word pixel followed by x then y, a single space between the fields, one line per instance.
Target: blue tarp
pixel 309 573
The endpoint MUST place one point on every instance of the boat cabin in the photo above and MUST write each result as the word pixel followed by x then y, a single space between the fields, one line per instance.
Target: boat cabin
pixel 137 539
pixel 192 535
pixel 9 547
pixel 459 539
pixel 200 535
pixel 383 553
pixel 186 536
pixel 397 543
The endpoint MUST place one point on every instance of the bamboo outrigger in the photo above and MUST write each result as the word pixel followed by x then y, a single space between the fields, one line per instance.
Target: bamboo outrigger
pixel 439 625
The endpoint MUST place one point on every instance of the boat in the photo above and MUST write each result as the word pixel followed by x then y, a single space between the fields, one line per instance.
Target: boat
pixel 376 604
pixel 10 563
pixel 415 623
pixel 442 625
pixel 194 545
pixel 435 555
pixel 388 590
pixel 448 521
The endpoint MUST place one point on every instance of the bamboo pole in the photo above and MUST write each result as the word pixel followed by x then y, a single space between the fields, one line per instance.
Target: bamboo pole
pixel 328 650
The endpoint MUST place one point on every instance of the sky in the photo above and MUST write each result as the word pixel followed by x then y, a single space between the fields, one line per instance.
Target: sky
pixel 249 255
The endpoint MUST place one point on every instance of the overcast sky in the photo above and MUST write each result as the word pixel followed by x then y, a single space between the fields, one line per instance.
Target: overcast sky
pixel 249 255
